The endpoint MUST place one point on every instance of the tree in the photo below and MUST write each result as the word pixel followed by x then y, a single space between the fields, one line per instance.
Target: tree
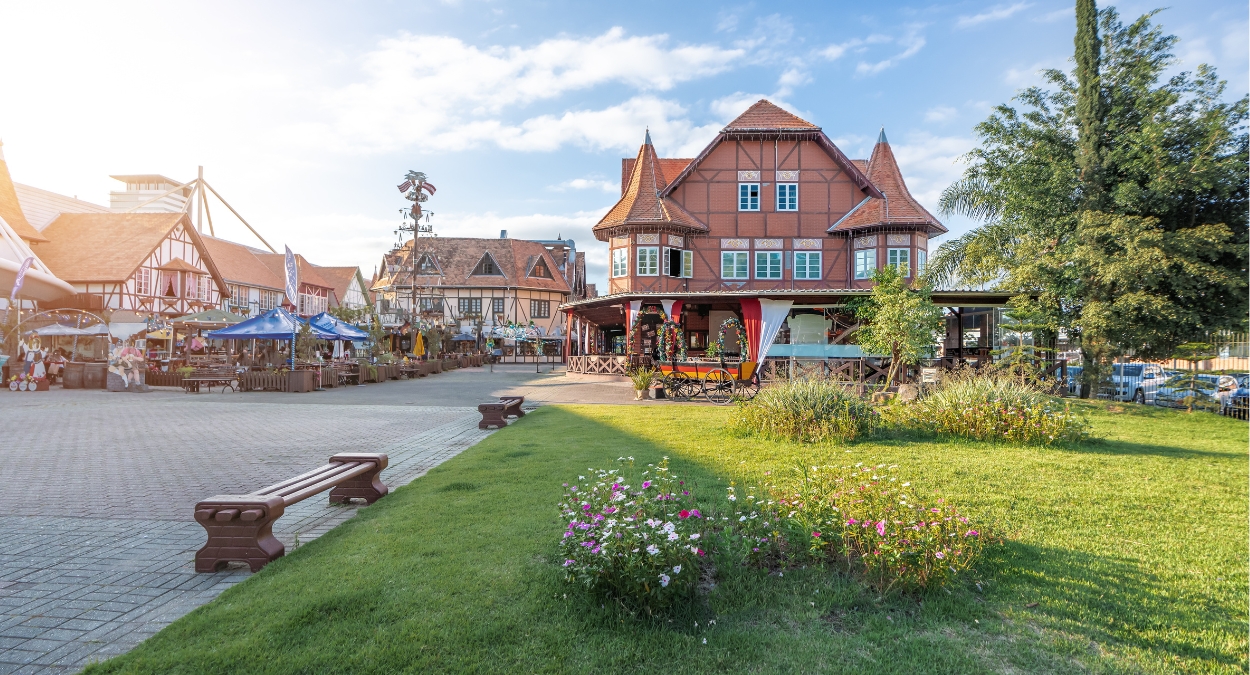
pixel 1115 202
pixel 305 343
pixel 899 320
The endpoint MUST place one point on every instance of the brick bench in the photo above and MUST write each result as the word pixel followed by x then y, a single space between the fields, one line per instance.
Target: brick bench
pixel 497 414
pixel 240 527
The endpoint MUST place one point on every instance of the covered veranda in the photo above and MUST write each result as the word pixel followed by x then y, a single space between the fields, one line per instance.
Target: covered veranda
pixel 789 331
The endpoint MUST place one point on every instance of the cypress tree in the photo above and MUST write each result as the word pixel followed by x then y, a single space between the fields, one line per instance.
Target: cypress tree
pixel 1089 104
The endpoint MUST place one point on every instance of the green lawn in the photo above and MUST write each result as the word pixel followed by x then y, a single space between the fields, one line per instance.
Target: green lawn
pixel 1127 554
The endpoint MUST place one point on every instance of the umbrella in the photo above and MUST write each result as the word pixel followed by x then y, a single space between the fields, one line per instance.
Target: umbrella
pixel 58 329
pixel 327 322
pixel 418 345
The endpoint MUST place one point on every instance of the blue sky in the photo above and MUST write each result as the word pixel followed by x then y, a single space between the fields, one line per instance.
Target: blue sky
pixel 307 115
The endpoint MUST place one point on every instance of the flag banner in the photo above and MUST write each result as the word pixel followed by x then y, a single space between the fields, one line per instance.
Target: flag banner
pixel 405 186
pixel 292 279
pixel 429 187
pixel 21 277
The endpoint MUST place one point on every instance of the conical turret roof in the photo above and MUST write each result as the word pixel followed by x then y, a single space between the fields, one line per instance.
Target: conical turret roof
pixel 11 209
pixel 898 207
pixel 641 204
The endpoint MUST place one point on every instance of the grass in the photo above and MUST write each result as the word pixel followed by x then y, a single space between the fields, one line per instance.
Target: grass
pixel 1124 555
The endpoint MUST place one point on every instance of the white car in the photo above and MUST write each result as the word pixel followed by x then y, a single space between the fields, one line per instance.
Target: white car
pixel 1136 382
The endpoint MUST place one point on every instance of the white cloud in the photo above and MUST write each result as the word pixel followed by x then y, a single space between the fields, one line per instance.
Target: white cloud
pixel 930 163
pixel 1031 75
pixel 940 113
pixel 995 13
pixel 461 94
pixel 587 184
pixel 1056 15
pixel 911 41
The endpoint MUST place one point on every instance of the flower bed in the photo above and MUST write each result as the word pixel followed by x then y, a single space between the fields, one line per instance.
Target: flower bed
pixel 635 540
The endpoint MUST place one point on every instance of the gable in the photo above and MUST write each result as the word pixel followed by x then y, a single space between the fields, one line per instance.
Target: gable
pixel 427 265
pixel 487 266
pixel 540 269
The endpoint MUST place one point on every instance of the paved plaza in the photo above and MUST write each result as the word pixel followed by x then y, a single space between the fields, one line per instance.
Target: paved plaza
pixel 96 535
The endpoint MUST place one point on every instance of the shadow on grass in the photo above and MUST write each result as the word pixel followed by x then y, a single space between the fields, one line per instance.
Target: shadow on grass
pixel 457 572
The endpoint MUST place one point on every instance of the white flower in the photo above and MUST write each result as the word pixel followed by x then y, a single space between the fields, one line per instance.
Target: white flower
pixel 694 536
pixel 743 519
pixel 677 569
pixel 669 527
pixel 653 549
pixel 906 484
pixel 733 498
pixel 664 580
pixel 673 536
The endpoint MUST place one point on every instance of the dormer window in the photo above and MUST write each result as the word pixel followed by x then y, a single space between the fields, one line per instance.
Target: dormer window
pixel 487 267
pixel 427 267
pixel 541 270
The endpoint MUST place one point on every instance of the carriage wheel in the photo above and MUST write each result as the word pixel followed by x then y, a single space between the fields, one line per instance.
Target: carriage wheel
pixel 747 389
pixel 678 386
pixel 718 386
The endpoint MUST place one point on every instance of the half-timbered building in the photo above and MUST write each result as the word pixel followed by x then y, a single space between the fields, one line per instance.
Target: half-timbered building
pixel 149 263
pixel 771 212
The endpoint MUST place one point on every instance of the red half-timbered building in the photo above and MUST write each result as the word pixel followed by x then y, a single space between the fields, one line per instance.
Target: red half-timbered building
pixel 770 212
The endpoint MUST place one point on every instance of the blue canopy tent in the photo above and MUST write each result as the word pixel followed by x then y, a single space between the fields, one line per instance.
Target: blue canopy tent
pixel 332 324
pixel 276 324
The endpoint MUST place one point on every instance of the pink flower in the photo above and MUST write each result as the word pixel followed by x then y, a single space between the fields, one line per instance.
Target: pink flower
pixel 610 510
pixel 684 514
pixel 851 521
pixel 569 562
pixel 816 534
pixel 700 551
pixel 568 534
pixel 695 513
pixel 881 528
pixel 585 507
pixel 646 484
pixel 939 555
pixel 971 533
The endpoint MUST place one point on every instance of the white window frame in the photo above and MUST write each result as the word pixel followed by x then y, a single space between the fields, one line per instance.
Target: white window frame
pixel 900 258
pixel 746 200
pixel 536 305
pixel 810 259
pixel 772 261
pixel 647 261
pixel 204 287
pixel 620 262
pixel 687 264
pixel 865 263
pixel 788 202
pixel 739 264
pixel 143 282
pixel 922 259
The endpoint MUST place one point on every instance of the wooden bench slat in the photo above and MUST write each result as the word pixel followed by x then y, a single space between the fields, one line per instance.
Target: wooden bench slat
pixel 278 486
pixel 329 474
pixel 328 483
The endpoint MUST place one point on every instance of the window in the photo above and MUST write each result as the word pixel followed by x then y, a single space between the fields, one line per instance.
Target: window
pixel 487 266
pixel 768 264
pixel 426 266
pixel 269 300
pixel 429 304
pixel 540 309
pixel 470 306
pixel 865 263
pixel 674 262
pixel 787 196
pixel 687 264
pixel 734 265
pixel 748 196
pixel 143 282
pixel 922 259
pixel 901 258
pixel 620 262
pixel 192 285
pixel 540 270
pixel 496 305
pixel 806 265
pixel 204 289
pixel 648 261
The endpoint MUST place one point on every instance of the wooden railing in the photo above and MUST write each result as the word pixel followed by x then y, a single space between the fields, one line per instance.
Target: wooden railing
pixel 599 364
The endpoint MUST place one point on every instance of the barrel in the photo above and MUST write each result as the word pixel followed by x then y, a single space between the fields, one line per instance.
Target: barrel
pixel 72 376
pixel 93 375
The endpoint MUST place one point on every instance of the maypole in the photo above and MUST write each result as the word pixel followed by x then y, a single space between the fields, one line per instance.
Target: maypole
pixel 417 190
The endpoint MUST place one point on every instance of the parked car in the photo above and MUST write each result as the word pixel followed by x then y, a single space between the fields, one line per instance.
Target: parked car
pixel 1237 403
pixel 1136 382
pixel 1074 379
pixel 1186 389
pixel 1228 385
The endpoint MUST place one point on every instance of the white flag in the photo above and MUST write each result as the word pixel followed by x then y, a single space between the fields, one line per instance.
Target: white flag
pixel 292 279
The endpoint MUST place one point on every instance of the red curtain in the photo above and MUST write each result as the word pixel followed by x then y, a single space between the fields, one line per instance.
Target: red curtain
pixel 677 305
pixel 751 321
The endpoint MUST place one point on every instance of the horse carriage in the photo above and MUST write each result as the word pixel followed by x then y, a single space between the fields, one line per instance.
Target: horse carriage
pixel 717 379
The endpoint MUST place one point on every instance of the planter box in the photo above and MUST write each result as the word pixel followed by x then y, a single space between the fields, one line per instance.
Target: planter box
pixel 301 381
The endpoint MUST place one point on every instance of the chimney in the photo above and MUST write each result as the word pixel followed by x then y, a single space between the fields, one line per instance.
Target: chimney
pixel 503 234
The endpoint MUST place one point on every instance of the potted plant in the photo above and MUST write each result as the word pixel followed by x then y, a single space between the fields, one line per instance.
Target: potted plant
pixel 642 379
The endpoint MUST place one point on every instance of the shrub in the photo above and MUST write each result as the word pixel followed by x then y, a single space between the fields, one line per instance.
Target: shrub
pixel 862 517
pixel 642 378
pixel 993 407
pixel 805 410
pixel 634 541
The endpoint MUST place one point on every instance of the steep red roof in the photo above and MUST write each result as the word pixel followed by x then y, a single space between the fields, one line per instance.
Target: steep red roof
pixel 241 264
pixel 898 208
pixel 641 204
pixel 766 115
pixel 276 262
pixel 668 169
pixel 10 209
pixel 457 258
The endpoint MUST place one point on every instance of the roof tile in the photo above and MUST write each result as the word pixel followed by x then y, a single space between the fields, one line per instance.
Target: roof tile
pixel 766 115
pixel 900 208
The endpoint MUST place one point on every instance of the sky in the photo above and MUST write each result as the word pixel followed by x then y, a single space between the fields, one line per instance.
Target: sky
pixel 305 116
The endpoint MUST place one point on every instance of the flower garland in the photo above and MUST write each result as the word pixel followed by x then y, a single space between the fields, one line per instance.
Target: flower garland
pixel 633 330
pixel 672 339
pixel 732 322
